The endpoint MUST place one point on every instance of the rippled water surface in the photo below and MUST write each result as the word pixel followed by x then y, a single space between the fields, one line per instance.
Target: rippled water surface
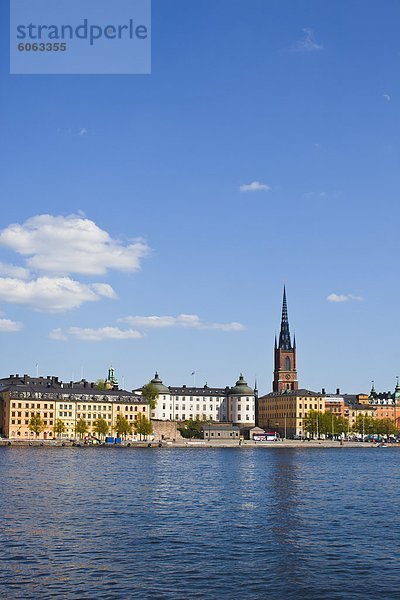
pixel 199 523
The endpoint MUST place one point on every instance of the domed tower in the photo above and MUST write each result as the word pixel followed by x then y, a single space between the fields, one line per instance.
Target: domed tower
pixel 157 382
pixel 285 373
pixel 163 409
pixel 111 383
pixel 241 403
pixel 397 392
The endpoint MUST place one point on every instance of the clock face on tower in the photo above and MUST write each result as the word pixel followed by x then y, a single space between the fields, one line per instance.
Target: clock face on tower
pixel 288 376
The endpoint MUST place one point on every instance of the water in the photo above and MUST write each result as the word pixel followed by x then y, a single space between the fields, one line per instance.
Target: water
pixel 199 523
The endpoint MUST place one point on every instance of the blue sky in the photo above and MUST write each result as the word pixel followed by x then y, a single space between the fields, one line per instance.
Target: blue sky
pixel 263 149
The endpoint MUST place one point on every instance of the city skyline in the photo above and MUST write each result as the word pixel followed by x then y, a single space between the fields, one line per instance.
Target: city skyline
pixel 151 222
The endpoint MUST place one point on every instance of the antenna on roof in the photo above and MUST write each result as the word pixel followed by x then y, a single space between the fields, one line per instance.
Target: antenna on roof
pixel 37 370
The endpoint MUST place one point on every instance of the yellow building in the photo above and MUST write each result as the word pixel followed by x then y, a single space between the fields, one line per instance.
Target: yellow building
pixel 284 411
pixel 357 406
pixel 23 397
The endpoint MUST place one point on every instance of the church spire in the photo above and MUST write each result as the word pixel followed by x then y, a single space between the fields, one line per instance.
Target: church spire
pixel 285 373
pixel 284 336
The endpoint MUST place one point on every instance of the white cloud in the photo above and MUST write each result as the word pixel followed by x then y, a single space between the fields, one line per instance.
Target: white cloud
pixel 188 321
pixel 72 244
pixel 387 97
pixel 13 271
pixel 52 294
pixel 308 43
pixel 254 186
pixel 82 132
pixel 88 334
pixel 8 326
pixel 343 298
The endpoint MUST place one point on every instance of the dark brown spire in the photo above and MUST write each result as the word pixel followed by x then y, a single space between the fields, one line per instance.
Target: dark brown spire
pixel 284 336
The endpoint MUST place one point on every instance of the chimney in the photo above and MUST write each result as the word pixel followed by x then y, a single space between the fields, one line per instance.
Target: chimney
pixel 337 391
pixel 323 391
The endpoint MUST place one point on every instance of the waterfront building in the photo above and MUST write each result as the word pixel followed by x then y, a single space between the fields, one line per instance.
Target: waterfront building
pixel 220 431
pixel 285 411
pixel 386 404
pixel 355 406
pixel 334 403
pixel 23 397
pixel 234 404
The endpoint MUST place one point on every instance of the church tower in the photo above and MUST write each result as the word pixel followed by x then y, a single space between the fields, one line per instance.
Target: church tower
pixel 285 374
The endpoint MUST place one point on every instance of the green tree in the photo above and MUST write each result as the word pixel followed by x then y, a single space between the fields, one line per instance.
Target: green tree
pixel 36 424
pixel 100 426
pixel 192 428
pixel 59 427
pixel 386 427
pixel 364 424
pixel 122 426
pixel 143 426
pixel 342 425
pixel 81 427
pixel 100 384
pixel 150 394
pixel 327 424
pixel 312 422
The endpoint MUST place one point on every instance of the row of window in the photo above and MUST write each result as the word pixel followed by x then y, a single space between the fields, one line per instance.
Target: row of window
pixel 191 416
pixel 32 405
pixel 209 398
pixel 26 422
pixel 84 397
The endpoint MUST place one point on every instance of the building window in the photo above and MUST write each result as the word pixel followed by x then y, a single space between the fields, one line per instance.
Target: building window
pixel 287 364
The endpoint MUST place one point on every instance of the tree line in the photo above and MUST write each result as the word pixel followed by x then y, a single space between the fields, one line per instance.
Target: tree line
pixel 328 424
pixel 122 427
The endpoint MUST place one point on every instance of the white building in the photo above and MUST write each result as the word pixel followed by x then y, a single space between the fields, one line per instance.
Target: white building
pixel 234 404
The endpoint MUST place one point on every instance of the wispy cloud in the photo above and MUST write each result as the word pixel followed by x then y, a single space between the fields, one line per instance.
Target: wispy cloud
pixel 343 298
pixel 387 97
pixel 255 186
pixel 183 320
pixel 13 271
pixel 52 294
pixel 308 42
pixel 8 326
pixel 87 334
pixel 82 132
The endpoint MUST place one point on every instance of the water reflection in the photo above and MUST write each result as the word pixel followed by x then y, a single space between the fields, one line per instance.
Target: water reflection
pixel 198 523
